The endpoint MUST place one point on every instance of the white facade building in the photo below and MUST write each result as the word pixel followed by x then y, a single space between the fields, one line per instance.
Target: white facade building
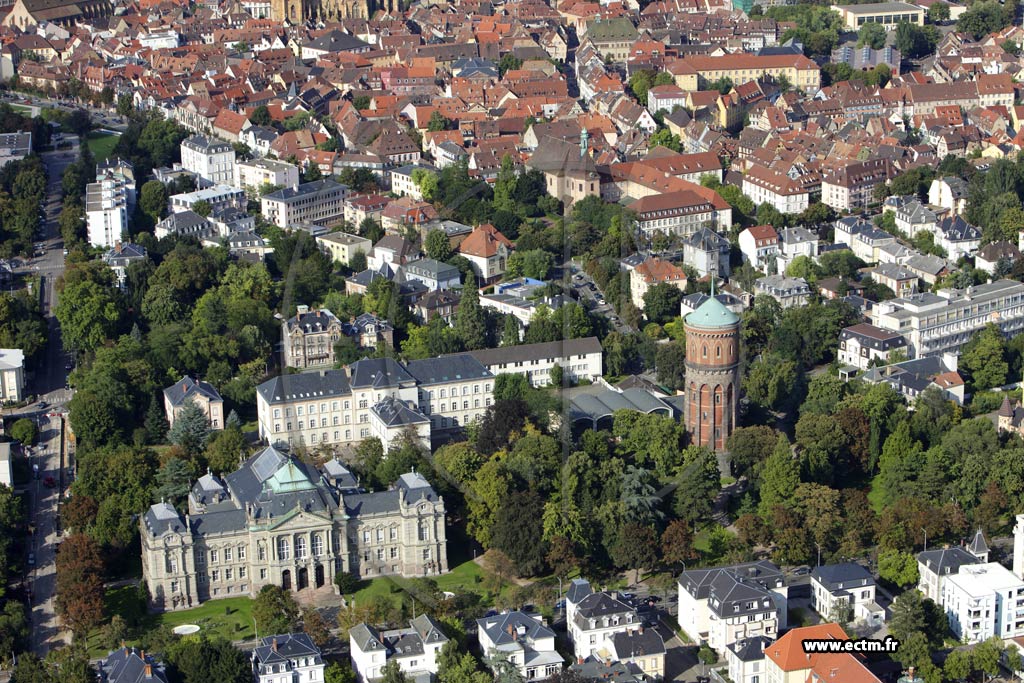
pixel 414 648
pixel 253 175
pixel 211 159
pixel 528 643
pixel 984 600
pixel 12 375
pixel 106 212
pixel 580 359
pixel 321 202
pixel 291 658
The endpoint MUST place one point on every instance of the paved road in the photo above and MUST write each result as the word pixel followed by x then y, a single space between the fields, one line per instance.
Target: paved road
pixel 107 117
pixel 49 383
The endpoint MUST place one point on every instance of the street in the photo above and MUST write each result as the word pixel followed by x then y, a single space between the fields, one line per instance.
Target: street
pixel 49 384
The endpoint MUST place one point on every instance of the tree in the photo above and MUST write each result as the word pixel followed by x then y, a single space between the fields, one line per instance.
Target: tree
pixel 749 448
pixel 173 480
pixel 261 116
pixel 275 611
pixel 670 361
pixel 437 122
pixel 985 17
pixel 986 655
pixel 780 477
pixel 89 314
pixel 984 358
pixel 918 41
pixel 699 481
pixel 153 199
pixel 908 614
pixel 314 626
pixel 197 660
pixel 518 532
pixel 661 302
pixel 958 665
pixel 79 583
pixel 156 421
pixel 871 35
pixel 938 12
pixel 636 548
pixel 202 207
pixel 677 543
pixel 470 320
pixel 897 567
pixel 438 246
pixel 24 431
pixel 190 430
pixel 224 448
pixel 346 582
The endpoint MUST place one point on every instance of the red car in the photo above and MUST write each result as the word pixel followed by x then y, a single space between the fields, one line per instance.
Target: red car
pixel 49 482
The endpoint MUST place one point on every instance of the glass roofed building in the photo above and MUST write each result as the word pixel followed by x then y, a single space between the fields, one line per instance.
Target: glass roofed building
pixel 278 520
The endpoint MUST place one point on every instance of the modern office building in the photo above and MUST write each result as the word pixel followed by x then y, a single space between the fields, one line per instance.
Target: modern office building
pixel 321 202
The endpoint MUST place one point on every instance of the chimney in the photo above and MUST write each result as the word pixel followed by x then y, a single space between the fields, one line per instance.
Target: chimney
pixel 579 660
pixel 149 670
pixel 273 645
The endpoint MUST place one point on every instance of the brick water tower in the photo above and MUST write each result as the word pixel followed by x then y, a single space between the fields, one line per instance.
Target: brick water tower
pixel 712 373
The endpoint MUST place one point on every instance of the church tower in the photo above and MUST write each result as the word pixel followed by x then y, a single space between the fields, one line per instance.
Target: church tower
pixel 712 373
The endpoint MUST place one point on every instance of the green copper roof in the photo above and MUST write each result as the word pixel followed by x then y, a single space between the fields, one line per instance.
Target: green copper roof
pixel 712 313
pixel 289 478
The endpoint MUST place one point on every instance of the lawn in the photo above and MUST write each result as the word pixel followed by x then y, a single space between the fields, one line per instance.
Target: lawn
pixel 101 145
pixel 875 495
pixel 229 618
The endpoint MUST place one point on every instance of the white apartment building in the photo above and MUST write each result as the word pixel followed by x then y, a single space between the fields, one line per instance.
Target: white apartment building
pixel 524 639
pixel 320 202
pixel 580 359
pixel 790 292
pixel 845 586
pixel 721 605
pixel 291 654
pixel 12 375
pixel 219 197
pixel 253 175
pixel 984 600
pixel 759 244
pixel 934 566
pixel 414 648
pixel 594 618
pixel 766 185
pixel 934 324
pixel 211 159
pixel 335 407
pixel 106 211
pixel 862 344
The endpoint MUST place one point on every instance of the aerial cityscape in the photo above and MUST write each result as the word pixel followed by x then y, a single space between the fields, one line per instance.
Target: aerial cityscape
pixel 500 341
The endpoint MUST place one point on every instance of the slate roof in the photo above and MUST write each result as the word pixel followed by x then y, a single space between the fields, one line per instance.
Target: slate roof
pixel 750 649
pixel 378 372
pixel 497 628
pixel 748 581
pixel 599 605
pixel 457 368
pixel 842 576
pixel 128 665
pixel 336 41
pixel 957 229
pixel 638 643
pixel 946 560
pixel 595 669
pixel 978 545
pixel 394 412
pixel 316 384
pixel 186 388
pixel 578 589
pixel 282 648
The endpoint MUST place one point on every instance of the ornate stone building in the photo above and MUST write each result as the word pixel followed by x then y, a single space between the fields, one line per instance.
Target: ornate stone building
pixel 712 373
pixel 301 11
pixel 277 520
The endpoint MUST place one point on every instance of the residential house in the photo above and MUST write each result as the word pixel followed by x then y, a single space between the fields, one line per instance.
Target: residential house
pixel 369 331
pixel 863 344
pixel 217 197
pixel 949 192
pixel 707 252
pixel 120 257
pixel 722 605
pixel 129 665
pixel 487 251
pixel 936 565
pixel 760 246
pixel 414 648
pixel 902 281
pixel 790 292
pixel 212 160
pixel 957 237
pixel 654 271
pixel 911 378
pixel 434 275
pixel 863 238
pixel 597 617
pixel 995 256
pixel 524 640
pixel 308 338
pixel 911 215
pixel 787 662
pixel 852 186
pixel 293 654
pixel 745 659
pixel 844 592
pixel 786 194
pixel 443 304
pixel 203 394
pixel 643 648
pixel 393 250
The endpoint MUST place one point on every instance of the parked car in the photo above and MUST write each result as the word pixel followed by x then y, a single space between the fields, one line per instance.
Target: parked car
pixel 801 571
pixel 31 559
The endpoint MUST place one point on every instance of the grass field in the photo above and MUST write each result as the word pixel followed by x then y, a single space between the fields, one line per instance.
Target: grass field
pixel 875 495
pixel 230 618
pixel 101 144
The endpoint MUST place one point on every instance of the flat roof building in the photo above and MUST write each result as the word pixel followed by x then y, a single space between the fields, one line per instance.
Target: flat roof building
pixel 889 14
